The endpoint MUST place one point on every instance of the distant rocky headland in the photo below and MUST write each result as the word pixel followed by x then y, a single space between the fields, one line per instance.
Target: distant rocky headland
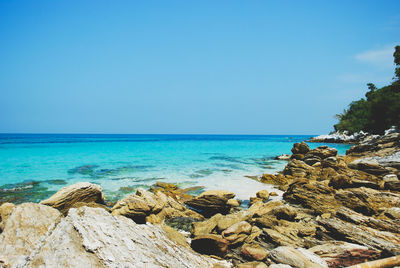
pixel 336 211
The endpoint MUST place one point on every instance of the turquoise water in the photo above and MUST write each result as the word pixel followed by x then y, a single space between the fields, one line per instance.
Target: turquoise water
pixel 37 165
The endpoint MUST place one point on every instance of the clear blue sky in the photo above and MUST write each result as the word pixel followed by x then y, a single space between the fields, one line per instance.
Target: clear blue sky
pixel 227 67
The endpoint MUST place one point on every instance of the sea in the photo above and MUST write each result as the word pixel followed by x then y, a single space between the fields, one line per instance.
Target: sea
pixel 35 166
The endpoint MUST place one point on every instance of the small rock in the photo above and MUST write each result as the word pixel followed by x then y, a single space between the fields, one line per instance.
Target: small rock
pixel 283 157
pixel 263 194
pixel 254 252
pixel 233 203
pixel 393 213
pixel 390 178
pixel 326 215
pixel 273 194
pixel 284 212
pixel 237 233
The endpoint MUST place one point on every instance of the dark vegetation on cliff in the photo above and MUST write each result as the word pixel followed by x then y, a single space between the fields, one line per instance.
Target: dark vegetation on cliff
pixel 378 111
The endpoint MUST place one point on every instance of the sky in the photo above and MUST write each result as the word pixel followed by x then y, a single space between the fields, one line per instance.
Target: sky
pixel 190 67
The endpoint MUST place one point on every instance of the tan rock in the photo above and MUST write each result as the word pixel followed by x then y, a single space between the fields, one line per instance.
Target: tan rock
pixel 175 236
pixel 91 237
pixel 5 212
pixel 237 232
pixel 300 148
pixel 284 212
pixel 278 179
pixel 259 208
pixel 207 226
pixel 27 225
pixel 254 252
pixel 273 194
pixel 263 194
pixel 212 202
pixel 65 198
pixel 233 203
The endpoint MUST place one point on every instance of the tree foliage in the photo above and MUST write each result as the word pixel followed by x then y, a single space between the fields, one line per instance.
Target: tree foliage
pixel 378 111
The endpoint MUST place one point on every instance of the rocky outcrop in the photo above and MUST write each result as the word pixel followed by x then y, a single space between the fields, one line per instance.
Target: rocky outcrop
pixel 212 202
pixel 145 206
pixel 67 197
pixel 113 241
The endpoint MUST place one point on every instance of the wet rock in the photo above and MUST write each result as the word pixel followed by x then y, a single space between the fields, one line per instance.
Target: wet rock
pixel 263 194
pixel 23 230
pixel 343 254
pixel 181 223
pixel 65 198
pixel 212 202
pixel 210 244
pixel 300 258
pixel 300 148
pixel 254 252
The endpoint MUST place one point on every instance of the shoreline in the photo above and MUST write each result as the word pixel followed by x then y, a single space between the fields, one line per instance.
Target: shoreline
pixel 326 197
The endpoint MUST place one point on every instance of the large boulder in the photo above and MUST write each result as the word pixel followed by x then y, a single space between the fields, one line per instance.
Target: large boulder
pixel 212 202
pixel 92 237
pixel 66 198
pixel 24 229
pixel 297 168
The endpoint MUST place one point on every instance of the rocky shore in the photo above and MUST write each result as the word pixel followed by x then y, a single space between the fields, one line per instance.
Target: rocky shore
pixel 336 211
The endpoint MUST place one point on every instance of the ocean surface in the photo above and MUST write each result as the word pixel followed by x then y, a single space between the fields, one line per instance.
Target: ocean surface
pixel 34 166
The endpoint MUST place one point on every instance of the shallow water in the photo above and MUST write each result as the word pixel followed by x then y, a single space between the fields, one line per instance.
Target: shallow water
pixel 36 165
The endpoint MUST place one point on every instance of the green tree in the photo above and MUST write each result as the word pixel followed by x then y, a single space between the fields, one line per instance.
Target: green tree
pixel 379 111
